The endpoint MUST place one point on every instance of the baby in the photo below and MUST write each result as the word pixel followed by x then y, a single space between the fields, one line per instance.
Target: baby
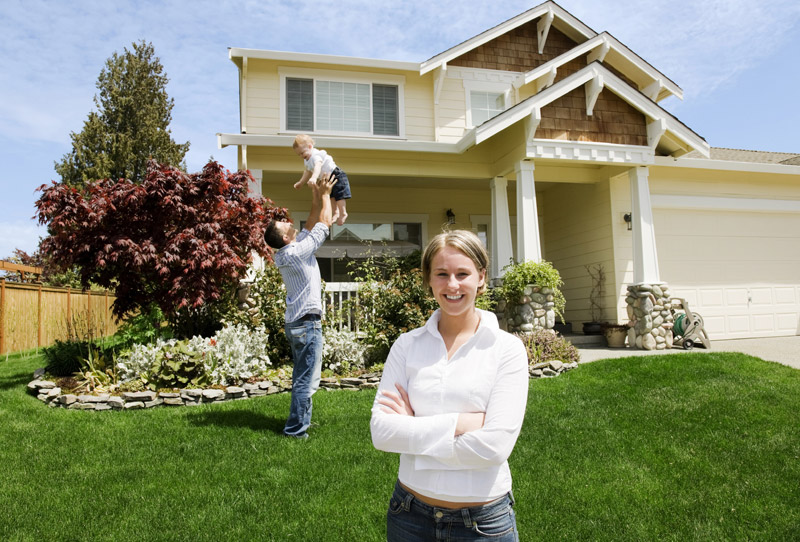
pixel 318 161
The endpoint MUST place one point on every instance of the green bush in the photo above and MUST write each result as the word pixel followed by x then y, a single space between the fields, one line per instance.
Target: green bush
pixel 519 275
pixel 269 294
pixel 391 301
pixel 545 345
pixel 178 367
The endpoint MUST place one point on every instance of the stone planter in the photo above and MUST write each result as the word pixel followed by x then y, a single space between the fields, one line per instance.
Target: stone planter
pixel 534 310
pixel 650 316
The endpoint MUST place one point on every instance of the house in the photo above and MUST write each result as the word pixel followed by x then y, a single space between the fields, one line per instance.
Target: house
pixel 547 139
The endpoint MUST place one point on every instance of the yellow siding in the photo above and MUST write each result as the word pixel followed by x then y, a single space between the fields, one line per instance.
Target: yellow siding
pixel 263 97
pixel 577 231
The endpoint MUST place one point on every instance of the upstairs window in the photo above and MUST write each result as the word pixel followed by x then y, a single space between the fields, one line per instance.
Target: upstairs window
pixel 345 107
pixel 485 105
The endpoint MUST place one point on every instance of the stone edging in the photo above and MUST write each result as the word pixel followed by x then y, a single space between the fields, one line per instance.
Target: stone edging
pixel 50 394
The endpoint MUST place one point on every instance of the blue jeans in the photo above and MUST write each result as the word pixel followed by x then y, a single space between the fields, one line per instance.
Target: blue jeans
pixel 410 520
pixel 305 338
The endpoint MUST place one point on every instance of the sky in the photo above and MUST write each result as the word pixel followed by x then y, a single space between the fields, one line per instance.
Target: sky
pixel 736 61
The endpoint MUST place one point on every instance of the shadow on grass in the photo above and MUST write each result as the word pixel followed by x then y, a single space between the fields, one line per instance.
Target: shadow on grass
pixel 238 419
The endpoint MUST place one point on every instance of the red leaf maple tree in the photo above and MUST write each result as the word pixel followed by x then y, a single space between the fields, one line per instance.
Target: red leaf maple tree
pixel 178 240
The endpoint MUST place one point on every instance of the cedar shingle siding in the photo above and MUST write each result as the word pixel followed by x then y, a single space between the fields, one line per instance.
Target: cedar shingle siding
pixel 613 120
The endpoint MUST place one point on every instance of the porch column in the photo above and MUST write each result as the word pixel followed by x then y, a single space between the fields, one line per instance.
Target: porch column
pixel 501 228
pixel 528 244
pixel 645 257
pixel 254 188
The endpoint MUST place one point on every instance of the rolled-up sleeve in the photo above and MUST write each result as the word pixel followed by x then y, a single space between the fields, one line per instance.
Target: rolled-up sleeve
pixel 419 435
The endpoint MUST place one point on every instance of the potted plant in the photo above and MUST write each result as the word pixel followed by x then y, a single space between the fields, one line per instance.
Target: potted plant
pixel 598 275
pixel 615 335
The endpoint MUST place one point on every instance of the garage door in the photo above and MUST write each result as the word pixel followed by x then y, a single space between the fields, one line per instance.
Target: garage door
pixel 740 270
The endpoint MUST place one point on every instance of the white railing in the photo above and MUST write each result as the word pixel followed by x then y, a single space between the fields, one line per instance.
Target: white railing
pixel 337 296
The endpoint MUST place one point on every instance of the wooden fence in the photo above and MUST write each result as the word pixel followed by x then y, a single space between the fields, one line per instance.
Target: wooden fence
pixel 32 315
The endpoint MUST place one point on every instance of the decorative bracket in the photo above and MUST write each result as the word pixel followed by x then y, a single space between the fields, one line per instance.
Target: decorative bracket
pixel 439 82
pixel 531 124
pixel 545 82
pixel 652 90
pixel 599 54
pixel 593 89
pixel 655 130
pixel 543 28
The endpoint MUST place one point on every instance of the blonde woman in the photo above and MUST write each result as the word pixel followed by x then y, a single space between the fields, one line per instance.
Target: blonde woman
pixel 451 402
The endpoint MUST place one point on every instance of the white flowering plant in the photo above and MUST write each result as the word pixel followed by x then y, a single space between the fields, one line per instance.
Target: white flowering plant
pixel 342 352
pixel 233 355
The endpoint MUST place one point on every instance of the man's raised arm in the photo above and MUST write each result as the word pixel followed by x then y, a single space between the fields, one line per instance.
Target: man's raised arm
pixel 321 202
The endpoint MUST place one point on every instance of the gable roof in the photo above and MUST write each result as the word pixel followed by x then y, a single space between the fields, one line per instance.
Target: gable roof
pixel 651 81
pixel 562 20
pixel 663 129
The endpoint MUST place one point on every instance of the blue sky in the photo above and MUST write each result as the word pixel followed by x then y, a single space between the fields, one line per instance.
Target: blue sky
pixel 736 60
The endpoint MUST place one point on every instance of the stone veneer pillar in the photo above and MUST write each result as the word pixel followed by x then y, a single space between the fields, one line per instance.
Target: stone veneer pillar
pixel 534 310
pixel 650 316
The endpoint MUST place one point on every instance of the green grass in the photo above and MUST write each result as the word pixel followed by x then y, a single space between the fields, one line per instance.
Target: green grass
pixel 676 447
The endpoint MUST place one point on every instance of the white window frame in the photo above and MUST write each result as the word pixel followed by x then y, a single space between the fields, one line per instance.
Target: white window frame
pixel 344 77
pixel 486 86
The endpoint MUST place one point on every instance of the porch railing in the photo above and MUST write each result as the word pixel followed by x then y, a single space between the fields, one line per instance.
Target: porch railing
pixel 341 300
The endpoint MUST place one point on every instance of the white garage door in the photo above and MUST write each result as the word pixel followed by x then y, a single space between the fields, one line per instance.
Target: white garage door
pixel 740 270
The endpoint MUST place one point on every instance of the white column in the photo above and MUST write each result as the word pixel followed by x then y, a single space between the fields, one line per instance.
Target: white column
pixel 501 228
pixel 528 243
pixel 254 188
pixel 645 257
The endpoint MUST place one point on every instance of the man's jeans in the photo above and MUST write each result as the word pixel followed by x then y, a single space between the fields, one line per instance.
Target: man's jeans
pixel 305 338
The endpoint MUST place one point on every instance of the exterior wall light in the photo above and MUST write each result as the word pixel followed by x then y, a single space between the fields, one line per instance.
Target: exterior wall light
pixel 628 218
pixel 451 216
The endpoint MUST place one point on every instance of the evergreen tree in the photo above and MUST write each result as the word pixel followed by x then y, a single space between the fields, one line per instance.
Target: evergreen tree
pixel 130 126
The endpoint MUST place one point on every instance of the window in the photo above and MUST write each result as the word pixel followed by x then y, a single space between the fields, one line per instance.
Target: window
pixel 300 105
pixel 342 106
pixel 485 105
pixel 357 241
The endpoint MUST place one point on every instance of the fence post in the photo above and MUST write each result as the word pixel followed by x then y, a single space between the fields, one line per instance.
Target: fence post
pixel 39 321
pixel 89 313
pixel 69 314
pixel 105 317
pixel 2 315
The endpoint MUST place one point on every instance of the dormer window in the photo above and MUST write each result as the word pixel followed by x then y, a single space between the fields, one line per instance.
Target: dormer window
pixel 485 105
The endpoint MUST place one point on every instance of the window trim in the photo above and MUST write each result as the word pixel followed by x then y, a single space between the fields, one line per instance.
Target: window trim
pixel 486 86
pixel 343 77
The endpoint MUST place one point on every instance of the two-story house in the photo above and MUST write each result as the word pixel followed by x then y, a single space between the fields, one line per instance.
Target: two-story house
pixel 547 139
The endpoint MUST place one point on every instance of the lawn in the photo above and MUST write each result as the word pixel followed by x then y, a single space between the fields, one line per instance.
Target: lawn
pixel 701 446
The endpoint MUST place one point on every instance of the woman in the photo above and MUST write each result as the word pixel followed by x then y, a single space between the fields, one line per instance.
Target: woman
pixel 451 402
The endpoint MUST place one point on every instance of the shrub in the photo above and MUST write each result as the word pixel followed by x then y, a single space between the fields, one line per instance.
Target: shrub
pixel 232 356
pixel 342 353
pixel 64 357
pixel 269 295
pixel 391 301
pixel 545 345
pixel 519 275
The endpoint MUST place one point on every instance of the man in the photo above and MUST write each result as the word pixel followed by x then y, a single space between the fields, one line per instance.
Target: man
pixel 298 266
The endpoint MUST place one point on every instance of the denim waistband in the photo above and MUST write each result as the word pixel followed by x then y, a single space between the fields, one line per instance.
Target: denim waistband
pixel 443 514
pixel 309 316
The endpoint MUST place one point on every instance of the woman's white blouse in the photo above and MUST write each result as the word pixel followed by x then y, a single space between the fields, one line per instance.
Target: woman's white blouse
pixel 488 373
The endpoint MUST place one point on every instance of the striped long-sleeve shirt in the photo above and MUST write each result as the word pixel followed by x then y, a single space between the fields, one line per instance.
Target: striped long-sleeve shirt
pixel 300 272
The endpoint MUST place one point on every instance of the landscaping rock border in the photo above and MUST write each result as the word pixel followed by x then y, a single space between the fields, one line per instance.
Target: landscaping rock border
pixel 50 394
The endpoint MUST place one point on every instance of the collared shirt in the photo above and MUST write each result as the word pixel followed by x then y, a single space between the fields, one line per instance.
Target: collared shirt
pixel 488 373
pixel 300 272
